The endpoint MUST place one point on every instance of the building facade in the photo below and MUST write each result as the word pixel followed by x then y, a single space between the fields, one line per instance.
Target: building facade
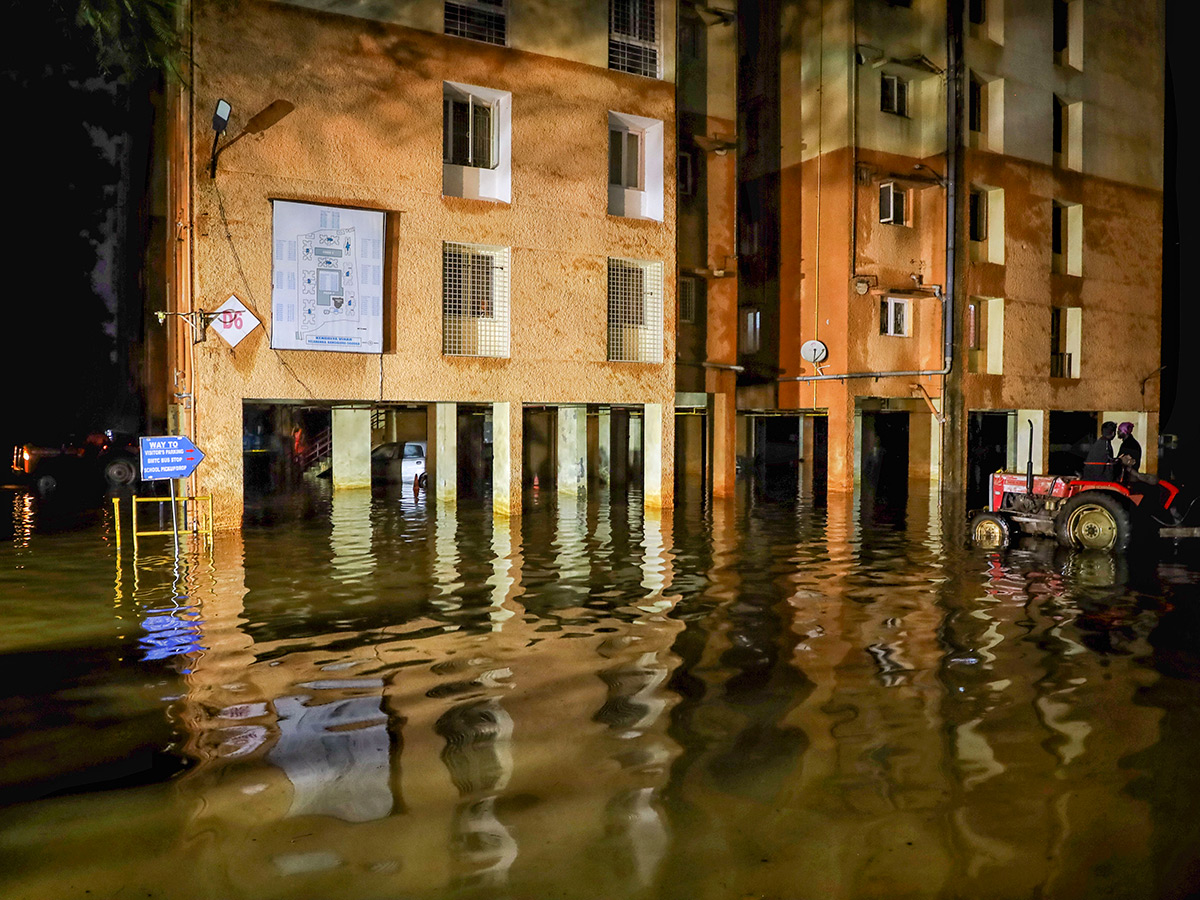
pixel 445 217
pixel 948 228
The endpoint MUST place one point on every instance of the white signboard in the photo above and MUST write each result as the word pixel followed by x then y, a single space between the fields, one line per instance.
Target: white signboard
pixel 233 321
pixel 327 287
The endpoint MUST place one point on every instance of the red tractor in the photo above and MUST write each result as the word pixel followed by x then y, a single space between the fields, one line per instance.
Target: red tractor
pixel 1088 515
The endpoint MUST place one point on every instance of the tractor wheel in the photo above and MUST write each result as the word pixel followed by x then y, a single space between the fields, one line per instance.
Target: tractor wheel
pixel 990 531
pixel 119 472
pixel 1094 520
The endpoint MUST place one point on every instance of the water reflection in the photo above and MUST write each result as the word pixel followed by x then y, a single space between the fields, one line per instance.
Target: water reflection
pixel 760 699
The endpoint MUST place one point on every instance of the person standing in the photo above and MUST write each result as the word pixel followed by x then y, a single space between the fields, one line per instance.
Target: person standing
pixel 1100 463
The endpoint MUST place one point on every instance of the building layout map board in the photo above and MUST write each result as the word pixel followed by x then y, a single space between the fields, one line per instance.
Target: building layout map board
pixel 327 286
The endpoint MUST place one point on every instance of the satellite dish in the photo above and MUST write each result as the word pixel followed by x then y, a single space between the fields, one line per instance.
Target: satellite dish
pixel 814 352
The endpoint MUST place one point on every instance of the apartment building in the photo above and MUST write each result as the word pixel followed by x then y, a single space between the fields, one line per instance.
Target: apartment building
pixel 450 222
pixel 948 226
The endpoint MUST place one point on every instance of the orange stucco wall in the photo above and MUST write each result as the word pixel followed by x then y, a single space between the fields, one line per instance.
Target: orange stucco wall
pixel 367 131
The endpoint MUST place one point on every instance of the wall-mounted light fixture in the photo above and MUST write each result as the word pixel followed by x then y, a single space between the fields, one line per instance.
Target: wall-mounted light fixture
pixel 710 15
pixel 198 320
pixel 715 144
pixel 259 122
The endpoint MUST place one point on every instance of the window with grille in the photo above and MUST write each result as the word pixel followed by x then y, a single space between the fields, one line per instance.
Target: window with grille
pixel 625 158
pixel 893 203
pixel 633 37
pixel 635 311
pixel 687 301
pixel 475 300
pixel 893 95
pixel 479 20
pixel 893 316
pixel 468 130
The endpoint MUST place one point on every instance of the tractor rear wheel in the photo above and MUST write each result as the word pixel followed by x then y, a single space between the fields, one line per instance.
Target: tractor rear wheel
pixel 990 531
pixel 1094 520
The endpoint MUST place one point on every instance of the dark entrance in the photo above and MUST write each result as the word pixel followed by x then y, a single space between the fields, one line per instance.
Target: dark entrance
pixel 884 476
pixel 777 454
pixel 987 452
pixel 1071 435
pixel 691 455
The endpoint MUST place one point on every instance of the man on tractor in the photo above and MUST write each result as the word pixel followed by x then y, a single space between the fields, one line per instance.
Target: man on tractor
pixel 1100 464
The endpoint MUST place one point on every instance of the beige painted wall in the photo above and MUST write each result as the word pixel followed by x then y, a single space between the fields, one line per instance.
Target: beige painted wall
pixel 366 131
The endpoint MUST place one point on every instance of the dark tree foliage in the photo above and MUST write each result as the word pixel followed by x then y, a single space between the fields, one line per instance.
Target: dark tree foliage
pixel 76 79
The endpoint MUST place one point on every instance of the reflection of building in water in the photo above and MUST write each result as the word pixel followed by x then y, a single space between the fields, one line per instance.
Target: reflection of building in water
pixel 478 755
pixel 335 752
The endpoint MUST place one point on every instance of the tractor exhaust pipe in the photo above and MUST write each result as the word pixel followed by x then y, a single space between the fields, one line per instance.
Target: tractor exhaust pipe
pixel 1029 465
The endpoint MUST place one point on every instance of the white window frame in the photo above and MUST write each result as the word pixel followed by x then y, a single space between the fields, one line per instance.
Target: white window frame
pixel 887 307
pixel 635 327
pixel 493 182
pixel 496 9
pixel 644 201
pixel 894 101
pixel 891 212
pixel 467 331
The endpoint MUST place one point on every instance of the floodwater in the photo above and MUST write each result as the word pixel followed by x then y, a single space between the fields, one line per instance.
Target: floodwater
pixel 765 699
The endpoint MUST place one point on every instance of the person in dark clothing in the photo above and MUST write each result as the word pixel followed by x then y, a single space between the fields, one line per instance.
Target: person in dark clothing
pixel 1100 464
pixel 1130 453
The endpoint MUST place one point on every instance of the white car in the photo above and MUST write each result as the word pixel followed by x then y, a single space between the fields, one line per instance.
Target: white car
pixel 399 462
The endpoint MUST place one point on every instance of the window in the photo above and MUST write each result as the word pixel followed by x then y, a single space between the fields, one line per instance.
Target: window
pixel 977 215
pixel 687 301
pixel 1068 133
pixel 635 311
pixel 893 316
pixel 985 112
pixel 475 300
pixel 625 158
pixel 985 20
pixel 985 335
pixel 468 131
pixel 479 20
pixel 1065 340
pixel 633 37
pixel 685 174
pixel 635 167
pixel 985 224
pixel 750 332
pixel 1066 238
pixel 893 95
pixel 893 203
pixel 976 11
pixel 1068 33
pixel 476 142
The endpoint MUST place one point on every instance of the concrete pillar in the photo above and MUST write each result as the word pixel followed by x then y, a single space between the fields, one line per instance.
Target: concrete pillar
pixel 572 452
pixel 1018 442
pixel 636 444
pixel 445 453
pixel 722 414
pixel 935 444
pixel 351 447
pixel 506 459
pixel 652 455
pixel 808 450
pixel 604 445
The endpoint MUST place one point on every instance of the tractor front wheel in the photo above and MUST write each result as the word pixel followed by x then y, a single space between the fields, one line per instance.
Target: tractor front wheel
pixel 1094 520
pixel 990 531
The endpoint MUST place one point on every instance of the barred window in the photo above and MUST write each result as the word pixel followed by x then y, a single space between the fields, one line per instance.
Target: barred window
pixel 687 300
pixel 633 37
pixel 479 20
pixel 635 311
pixel 468 130
pixel 475 300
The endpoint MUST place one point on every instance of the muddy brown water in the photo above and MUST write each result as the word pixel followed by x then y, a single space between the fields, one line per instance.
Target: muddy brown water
pixel 762 699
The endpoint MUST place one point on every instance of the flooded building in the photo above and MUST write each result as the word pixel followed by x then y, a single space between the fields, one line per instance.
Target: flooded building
pixel 444 226
pixel 948 229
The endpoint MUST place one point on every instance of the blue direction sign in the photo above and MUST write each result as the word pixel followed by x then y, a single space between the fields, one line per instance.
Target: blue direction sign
pixel 168 457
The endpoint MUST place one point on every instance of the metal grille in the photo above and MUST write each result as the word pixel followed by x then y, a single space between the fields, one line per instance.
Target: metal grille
pixel 481 20
pixel 635 311
pixel 475 300
pixel 687 300
pixel 633 37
